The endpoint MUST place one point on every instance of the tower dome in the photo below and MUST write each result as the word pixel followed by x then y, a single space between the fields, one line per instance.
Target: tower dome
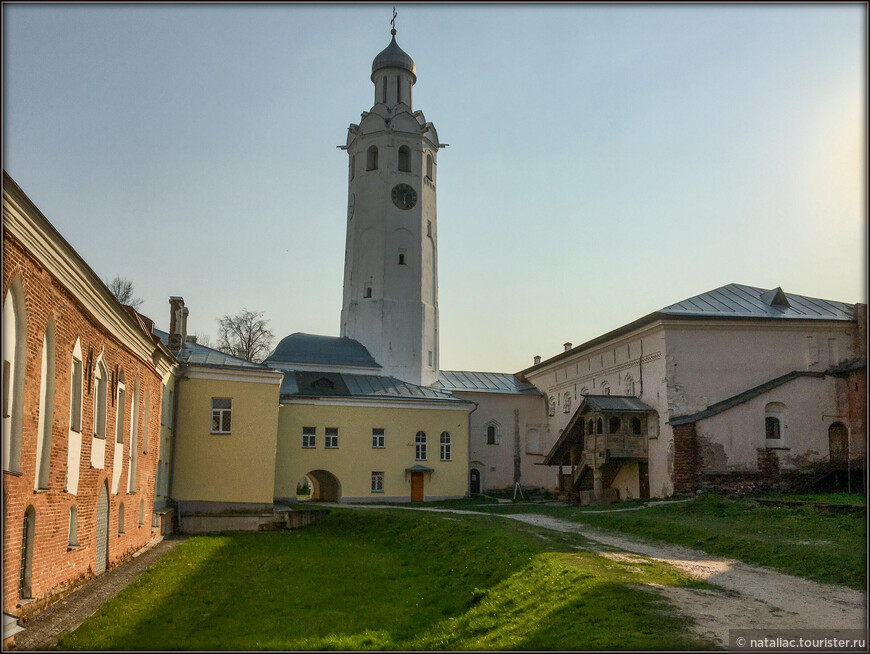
pixel 394 57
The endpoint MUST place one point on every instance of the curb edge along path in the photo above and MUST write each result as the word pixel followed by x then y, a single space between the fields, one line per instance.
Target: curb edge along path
pixel 45 629
pixel 754 597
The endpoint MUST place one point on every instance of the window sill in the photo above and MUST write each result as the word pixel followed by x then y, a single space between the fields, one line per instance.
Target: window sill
pixel 73 548
pixel 76 431
pixel 380 492
pixel 39 491
pixel 13 473
pixel 220 433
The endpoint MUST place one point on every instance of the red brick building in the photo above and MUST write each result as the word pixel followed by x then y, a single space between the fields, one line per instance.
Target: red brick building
pixel 82 384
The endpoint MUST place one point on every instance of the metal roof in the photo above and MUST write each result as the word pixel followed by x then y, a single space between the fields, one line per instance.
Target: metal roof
pixel 195 354
pixel 483 382
pixel 745 396
pixel 394 57
pixel 739 301
pixel 729 301
pixel 327 350
pixel 300 383
pixel 616 403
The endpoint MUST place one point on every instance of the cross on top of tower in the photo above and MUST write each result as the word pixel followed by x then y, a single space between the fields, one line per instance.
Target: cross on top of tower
pixel 393 22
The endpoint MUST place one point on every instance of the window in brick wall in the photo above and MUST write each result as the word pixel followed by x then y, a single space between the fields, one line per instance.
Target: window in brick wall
pixel 145 415
pixel 121 519
pixel 46 409
pixel 73 539
pixel 119 408
pixel 101 382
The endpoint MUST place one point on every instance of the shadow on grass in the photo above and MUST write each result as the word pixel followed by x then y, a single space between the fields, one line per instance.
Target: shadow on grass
pixel 387 580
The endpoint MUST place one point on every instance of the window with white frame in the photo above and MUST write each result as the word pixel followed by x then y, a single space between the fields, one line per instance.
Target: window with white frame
pixel 221 415
pixel 309 437
pixel 378 437
pixel 119 413
pixel 446 449
pixel 330 440
pixel 377 482
pixel 420 446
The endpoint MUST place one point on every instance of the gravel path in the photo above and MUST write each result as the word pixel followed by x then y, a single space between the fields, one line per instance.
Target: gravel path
pixel 45 629
pixel 751 597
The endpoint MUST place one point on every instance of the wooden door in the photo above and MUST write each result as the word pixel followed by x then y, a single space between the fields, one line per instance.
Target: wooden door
pixel 416 486
pixel 643 479
pixel 838 441
pixel 474 486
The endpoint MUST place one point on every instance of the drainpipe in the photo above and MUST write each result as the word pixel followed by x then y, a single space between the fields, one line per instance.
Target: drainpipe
pixel 640 365
pixel 468 458
pixel 174 427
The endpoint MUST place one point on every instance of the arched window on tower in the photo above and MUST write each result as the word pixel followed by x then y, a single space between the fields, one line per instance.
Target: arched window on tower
pixel 430 173
pixel 398 89
pixel 404 159
pixel 372 158
pixel 352 166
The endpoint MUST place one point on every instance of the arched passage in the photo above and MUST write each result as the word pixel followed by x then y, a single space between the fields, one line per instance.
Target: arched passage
pixel 325 486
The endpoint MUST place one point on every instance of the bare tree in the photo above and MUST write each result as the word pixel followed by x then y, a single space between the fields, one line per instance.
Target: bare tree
pixel 203 339
pixel 122 289
pixel 245 335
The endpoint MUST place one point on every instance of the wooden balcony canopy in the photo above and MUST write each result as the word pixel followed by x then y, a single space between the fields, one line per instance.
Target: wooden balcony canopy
pixel 605 411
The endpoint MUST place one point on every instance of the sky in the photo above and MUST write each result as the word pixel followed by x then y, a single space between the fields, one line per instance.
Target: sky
pixel 604 161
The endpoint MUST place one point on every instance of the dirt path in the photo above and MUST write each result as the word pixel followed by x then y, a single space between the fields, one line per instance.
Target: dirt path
pixel 752 597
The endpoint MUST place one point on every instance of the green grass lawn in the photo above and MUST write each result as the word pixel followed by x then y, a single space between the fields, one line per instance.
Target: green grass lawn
pixel 391 580
pixel 801 541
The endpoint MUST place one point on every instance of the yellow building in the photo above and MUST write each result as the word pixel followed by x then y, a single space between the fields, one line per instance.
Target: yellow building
pixel 360 436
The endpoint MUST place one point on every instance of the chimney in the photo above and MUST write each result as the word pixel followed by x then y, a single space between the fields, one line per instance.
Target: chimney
pixel 537 359
pixel 177 323
pixel 567 346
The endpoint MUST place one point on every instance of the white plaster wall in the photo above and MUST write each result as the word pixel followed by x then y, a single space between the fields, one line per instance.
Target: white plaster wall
pixel 73 458
pixel 627 481
pixel 496 462
pixel 729 440
pixel 711 361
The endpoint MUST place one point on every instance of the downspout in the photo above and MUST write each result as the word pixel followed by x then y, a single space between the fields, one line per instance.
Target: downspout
pixel 174 427
pixel 640 366
pixel 468 456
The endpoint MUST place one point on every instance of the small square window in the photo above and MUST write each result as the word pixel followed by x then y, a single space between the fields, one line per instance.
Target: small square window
pixel 221 415
pixel 377 482
pixel 378 438
pixel 309 437
pixel 331 438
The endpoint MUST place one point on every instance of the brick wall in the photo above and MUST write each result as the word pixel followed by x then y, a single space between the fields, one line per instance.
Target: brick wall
pixel 55 565
pixel 686 458
pixel 768 463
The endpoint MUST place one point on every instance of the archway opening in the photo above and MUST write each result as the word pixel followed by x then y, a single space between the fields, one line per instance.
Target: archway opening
pixel 325 486
pixel 304 489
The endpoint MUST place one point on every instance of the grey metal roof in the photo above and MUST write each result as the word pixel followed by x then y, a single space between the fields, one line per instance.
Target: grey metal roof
pixel 739 301
pixel 299 383
pixel 195 354
pixel 315 349
pixel 745 396
pixel 393 57
pixel 484 382
pixel 729 301
pixel 616 403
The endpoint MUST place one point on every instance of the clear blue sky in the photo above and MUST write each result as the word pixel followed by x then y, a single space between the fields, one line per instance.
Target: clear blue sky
pixel 604 160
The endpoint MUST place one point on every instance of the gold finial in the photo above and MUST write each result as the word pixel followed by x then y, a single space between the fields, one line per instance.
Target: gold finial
pixel 393 22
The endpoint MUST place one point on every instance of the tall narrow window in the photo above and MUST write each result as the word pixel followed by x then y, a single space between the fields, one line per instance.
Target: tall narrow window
pixel 101 376
pixel 566 403
pixel 121 519
pixel 490 435
pixel 368 291
pixel 615 424
pixel 25 569
pixel 145 422
pixel 309 437
pixel 398 89
pixel 377 482
pixel 134 440
pixel 377 438
pixel 163 402
pixel 46 409
pixel 428 228
pixel 141 512
pixel 221 415
pixel 590 428
pixel 635 426
pixel 771 427
pixel 372 158
pixel 429 168
pixel 446 446
pixel 330 440
pixel 599 426
pixel 14 350
pixel 402 258
pixel 352 166
pixel 404 159
pixel 73 539
pixel 420 446
pixel 384 90
pixel 119 414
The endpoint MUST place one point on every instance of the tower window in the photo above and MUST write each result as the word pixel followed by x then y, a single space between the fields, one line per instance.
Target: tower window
pixel 352 166
pixel 430 358
pixel 404 159
pixel 398 89
pixel 402 261
pixel 368 292
pixel 384 91
pixel 372 158
pixel 428 228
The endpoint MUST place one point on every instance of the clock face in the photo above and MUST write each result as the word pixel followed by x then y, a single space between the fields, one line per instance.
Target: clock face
pixel 404 196
pixel 350 206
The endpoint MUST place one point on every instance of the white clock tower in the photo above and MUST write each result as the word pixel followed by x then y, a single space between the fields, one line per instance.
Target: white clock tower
pixel 390 300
